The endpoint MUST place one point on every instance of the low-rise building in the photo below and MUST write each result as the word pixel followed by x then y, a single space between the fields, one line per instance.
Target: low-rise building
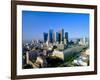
pixel 60 46
pixel 58 54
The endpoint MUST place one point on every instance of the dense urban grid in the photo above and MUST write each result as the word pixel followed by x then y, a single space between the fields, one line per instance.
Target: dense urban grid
pixel 56 50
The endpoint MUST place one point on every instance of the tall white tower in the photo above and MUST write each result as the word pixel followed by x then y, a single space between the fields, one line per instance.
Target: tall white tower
pixel 27 57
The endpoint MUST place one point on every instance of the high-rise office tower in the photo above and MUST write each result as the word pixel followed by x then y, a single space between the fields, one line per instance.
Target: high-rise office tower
pixel 50 35
pixel 66 37
pixel 58 37
pixel 62 36
pixel 45 37
pixel 54 37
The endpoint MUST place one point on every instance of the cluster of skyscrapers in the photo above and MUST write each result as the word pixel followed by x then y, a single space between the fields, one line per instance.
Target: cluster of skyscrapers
pixel 59 36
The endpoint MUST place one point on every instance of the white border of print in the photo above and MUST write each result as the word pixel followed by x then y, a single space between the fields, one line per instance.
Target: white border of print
pixel 21 71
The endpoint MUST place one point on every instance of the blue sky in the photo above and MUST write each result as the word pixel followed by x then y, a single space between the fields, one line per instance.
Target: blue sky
pixel 35 23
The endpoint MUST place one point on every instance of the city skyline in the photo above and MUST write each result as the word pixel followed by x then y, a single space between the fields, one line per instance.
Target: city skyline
pixel 35 23
pixel 59 36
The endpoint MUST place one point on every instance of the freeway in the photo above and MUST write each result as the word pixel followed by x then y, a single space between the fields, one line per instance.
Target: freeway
pixel 72 50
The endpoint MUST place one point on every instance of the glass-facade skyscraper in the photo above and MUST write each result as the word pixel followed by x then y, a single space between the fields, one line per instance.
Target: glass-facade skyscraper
pixel 51 36
pixel 45 37
pixel 62 35
pixel 57 37
pixel 66 37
